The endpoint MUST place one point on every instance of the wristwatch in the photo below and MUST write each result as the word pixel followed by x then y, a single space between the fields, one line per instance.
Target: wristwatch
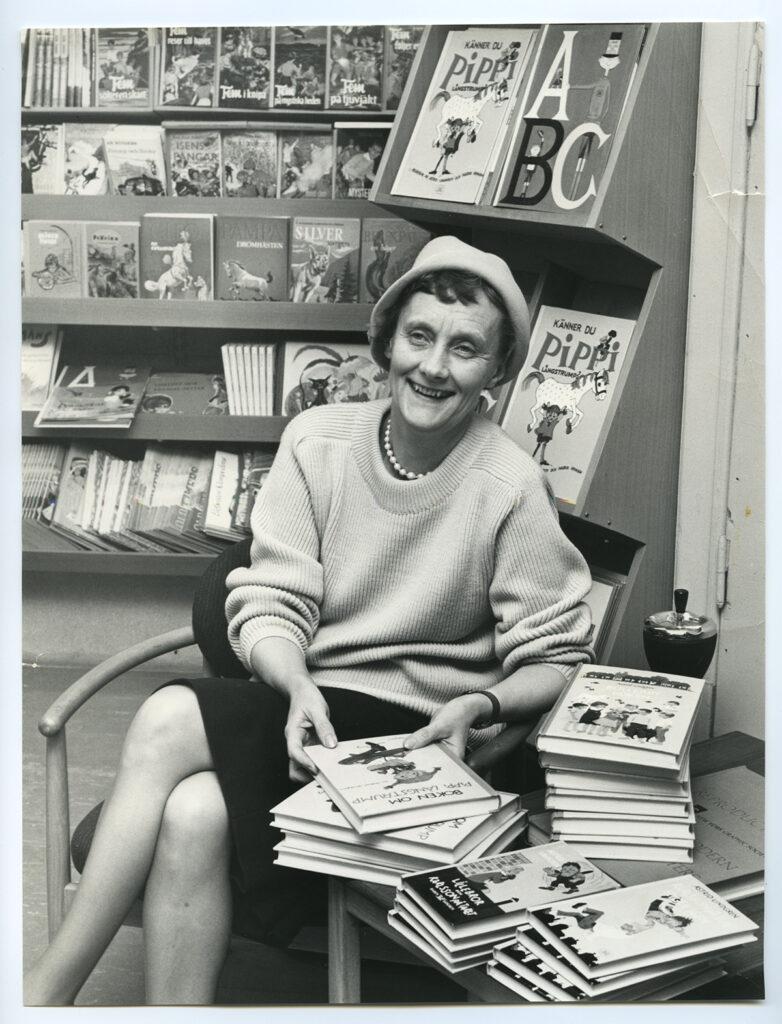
pixel 494 714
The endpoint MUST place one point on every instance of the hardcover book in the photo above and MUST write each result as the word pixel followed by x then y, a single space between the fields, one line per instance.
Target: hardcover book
pixel 326 374
pixel 40 353
pixel 402 43
pixel 112 259
pixel 324 259
pixel 561 401
pixel 194 163
pixel 569 117
pixel 134 155
pixel 252 258
pixel 250 164
pixel 41 152
pixel 355 67
pixel 379 785
pixel 176 255
pixel 299 67
pixel 94 396
pixel 306 165
pixel 478 75
pixel 389 247
pixel 84 159
pixel 53 259
pixel 123 69
pixel 187 76
pixel 244 67
pixel 358 149
pixel 453 963
pixel 188 394
pixel 641 926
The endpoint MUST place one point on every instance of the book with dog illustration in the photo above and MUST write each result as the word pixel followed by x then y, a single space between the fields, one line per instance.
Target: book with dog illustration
pixel 134 156
pixel 187 75
pixel 402 43
pixel 251 258
pixel 325 259
pixel 380 785
pixel 563 397
pixel 389 246
pixel 299 67
pixel 358 150
pixel 194 163
pixel 112 259
pixel 320 374
pixel 250 164
pixel 244 67
pixel 306 165
pixel 123 68
pixel 176 256
pixel 355 67
pixel 476 80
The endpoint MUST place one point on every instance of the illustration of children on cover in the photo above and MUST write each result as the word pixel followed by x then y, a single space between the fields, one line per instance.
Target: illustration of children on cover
pixel 662 911
pixel 570 875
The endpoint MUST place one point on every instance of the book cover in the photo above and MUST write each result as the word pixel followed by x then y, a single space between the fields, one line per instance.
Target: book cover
pixel 123 69
pixel 355 67
pixel 53 263
pixel 84 159
pixel 112 259
pixel 40 354
pixel 188 394
pixel 642 925
pixel 477 76
pixel 194 163
pixel 358 149
pixel 306 165
pixel 401 46
pixel 244 67
pixel 94 396
pixel 252 258
pixel 134 156
pixel 569 117
pixel 70 502
pixel 176 256
pixel 250 164
pixel 187 76
pixel 326 374
pixel 41 151
pixel 224 491
pixel 324 259
pixel 300 67
pixel 563 395
pixel 389 246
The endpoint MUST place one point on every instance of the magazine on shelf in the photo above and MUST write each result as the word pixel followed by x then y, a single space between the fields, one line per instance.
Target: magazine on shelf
pixel 251 258
pixel 306 165
pixel 84 159
pixel 324 258
pixel 135 161
pixel 176 256
pixel 402 43
pixel 188 394
pixel 643 925
pixel 389 246
pixel 355 67
pixel 477 77
pixel 41 467
pixel 244 67
pixel 299 67
pixel 41 345
pixel 53 259
pixel 187 75
pixel 568 119
pixel 358 150
pixel 315 374
pixel 42 159
pixel 111 258
pixel 194 163
pixel 380 785
pixel 94 396
pixel 563 395
pixel 250 164
pixel 123 69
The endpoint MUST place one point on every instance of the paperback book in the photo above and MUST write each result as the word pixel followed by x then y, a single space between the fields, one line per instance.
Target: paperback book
pixel 325 374
pixel 123 69
pixel 194 163
pixel 53 259
pixel 84 159
pixel 94 396
pixel 236 479
pixel 562 401
pixel 401 46
pixel 380 785
pixel 185 394
pixel 134 156
pixel 41 152
pixel 252 258
pixel 358 149
pixel 325 259
pixel 389 247
pixel 250 164
pixel 477 77
pixel 306 165
pixel 176 256
pixel 187 76
pixel 112 259
pixel 40 355
pixel 244 67
pixel 299 67
pixel 355 67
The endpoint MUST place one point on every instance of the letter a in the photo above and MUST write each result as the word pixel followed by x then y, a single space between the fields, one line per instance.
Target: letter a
pixel 85 379
pixel 563 57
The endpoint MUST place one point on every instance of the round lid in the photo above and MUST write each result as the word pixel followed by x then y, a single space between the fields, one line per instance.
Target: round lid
pixel 679 622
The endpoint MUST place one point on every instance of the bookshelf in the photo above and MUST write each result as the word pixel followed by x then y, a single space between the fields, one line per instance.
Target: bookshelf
pixel 624 254
pixel 255 430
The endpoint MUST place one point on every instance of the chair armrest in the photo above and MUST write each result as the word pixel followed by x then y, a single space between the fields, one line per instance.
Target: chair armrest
pixel 498 748
pixel 69 702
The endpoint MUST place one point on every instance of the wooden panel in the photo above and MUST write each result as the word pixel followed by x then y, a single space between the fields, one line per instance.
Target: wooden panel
pixel 151 427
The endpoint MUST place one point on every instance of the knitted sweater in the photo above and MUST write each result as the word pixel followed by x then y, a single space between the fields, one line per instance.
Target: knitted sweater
pixel 413 591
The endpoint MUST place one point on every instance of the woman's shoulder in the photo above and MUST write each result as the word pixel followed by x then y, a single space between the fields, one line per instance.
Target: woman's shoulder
pixel 326 422
pixel 506 462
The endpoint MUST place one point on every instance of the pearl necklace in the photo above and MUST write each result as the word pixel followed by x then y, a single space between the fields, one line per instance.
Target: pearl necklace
pixel 405 473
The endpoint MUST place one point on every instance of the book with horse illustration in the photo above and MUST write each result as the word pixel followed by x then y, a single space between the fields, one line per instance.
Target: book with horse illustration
pixel 251 261
pixel 176 255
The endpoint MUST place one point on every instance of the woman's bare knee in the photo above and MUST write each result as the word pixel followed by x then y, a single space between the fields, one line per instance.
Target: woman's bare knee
pixel 194 829
pixel 167 729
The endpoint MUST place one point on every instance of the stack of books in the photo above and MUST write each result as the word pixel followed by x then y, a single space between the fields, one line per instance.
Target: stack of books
pixel 458 913
pixel 616 752
pixel 642 941
pixel 249 379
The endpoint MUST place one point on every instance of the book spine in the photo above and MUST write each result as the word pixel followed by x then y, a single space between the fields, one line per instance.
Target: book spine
pixel 29 76
pixel 39 65
pixel 46 83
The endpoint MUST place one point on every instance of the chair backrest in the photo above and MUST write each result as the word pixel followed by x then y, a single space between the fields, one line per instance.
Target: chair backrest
pixel 209 624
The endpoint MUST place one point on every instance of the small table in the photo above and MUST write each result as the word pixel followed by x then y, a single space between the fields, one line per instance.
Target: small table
pixel 352 903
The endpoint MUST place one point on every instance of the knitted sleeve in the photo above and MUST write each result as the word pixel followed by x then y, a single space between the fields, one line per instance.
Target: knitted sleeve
pixel 280 594
pixel 538 588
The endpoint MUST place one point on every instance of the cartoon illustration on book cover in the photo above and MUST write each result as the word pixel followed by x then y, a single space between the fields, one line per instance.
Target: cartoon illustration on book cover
pixel 244 67
pixel 189 68
pixel 306 163
pixel 355 63
pixel 112 263
pixel 123 68
pixel 300 66
pixel 323 375
pixel 55 260
pixel 194 163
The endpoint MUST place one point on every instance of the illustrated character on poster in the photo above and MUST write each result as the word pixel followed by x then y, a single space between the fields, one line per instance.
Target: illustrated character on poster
pixel 586 917
pixel 570 875
pixel 178 276
pixel 460 115
pixel 550 392
pixel 661 911
pixel 544 431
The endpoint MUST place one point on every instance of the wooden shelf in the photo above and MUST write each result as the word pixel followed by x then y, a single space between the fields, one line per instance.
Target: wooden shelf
pixel 120 563
pixel 153 427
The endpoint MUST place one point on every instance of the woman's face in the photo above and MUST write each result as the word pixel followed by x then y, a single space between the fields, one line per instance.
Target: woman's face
pixel 442 355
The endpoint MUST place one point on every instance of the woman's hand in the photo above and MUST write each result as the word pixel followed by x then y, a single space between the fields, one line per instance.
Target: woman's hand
pixel 308 714
pixel 450 725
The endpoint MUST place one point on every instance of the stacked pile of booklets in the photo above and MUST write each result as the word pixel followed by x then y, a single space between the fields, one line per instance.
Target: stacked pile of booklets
pixel 645 941
pixel 379 811
pixel 616 752
pixel 249 379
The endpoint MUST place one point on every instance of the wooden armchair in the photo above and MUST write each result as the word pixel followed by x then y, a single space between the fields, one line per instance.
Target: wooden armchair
pixel 208 631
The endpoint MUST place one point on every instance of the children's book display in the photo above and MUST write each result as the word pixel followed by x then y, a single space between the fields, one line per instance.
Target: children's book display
pixel 300 67
pixel 250 164
pixel 112 259
pixel 401 46
pixel 177 256
pixel 135 160
pixel 188 67
pixel 251 259
pixel 389 246
pixel 324 259
pixel 234 484
pixel 84 159
pixel 306 165
pixel 244 67
pixel 355 67
pixel 358 149
pixel 194 163
pixel 41 345
pixel 94 396
pixel 315 374
pixel 185 394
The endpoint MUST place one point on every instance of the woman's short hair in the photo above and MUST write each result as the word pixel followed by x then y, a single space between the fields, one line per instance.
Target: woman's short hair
pixel 451 286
